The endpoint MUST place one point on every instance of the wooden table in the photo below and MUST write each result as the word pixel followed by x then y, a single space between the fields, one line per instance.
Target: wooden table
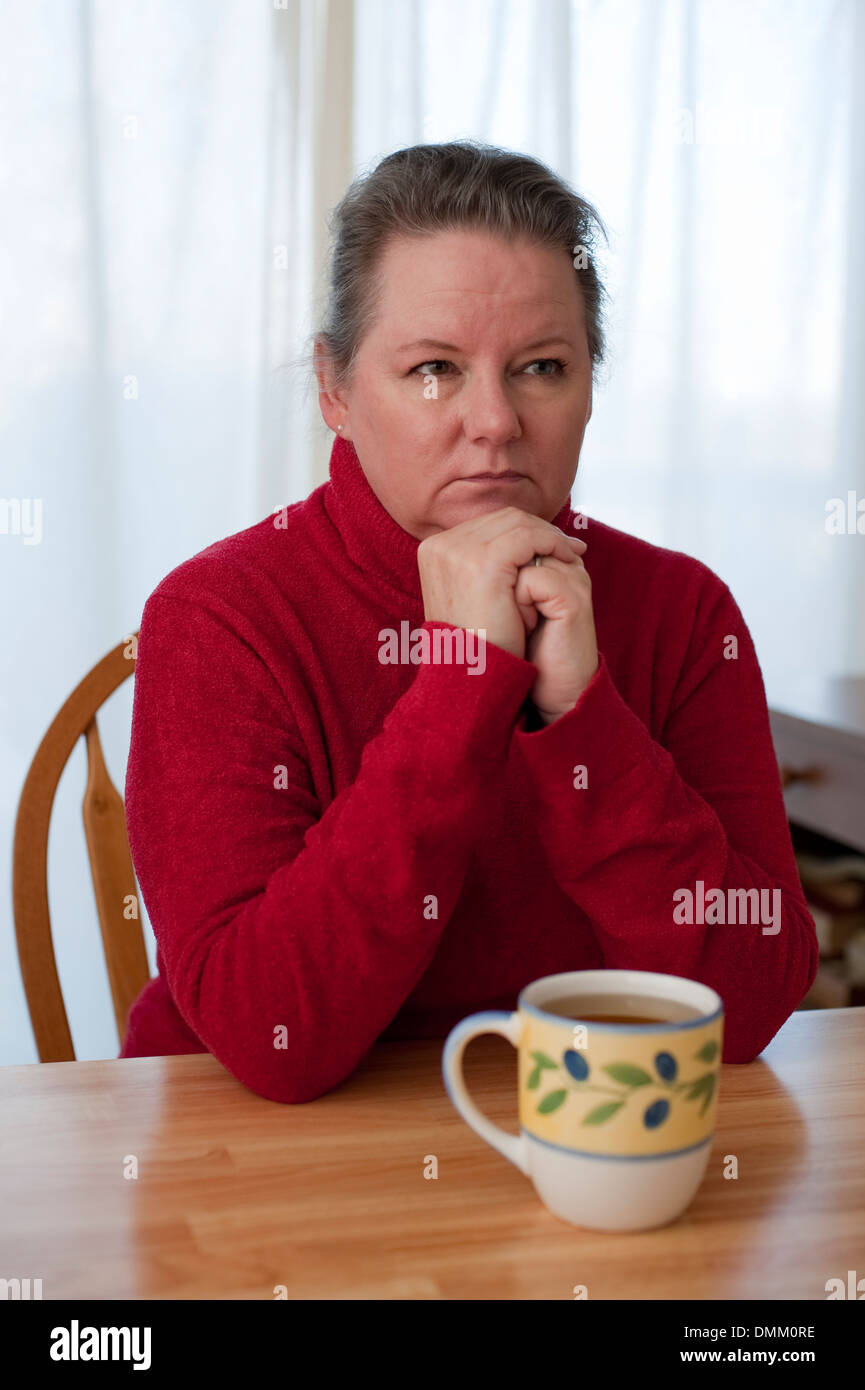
pixel 236 1195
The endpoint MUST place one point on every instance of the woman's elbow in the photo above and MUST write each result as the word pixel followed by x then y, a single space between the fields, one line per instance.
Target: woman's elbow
pixel 746 1037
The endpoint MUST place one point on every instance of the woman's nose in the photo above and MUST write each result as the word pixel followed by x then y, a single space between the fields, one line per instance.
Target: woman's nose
pixel 488 411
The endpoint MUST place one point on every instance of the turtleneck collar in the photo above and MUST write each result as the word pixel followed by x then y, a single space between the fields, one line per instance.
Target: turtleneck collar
pixel 373 540
pixel 376 543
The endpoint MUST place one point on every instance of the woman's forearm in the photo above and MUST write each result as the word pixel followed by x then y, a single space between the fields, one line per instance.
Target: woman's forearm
pixel 291 938
pixel 680 853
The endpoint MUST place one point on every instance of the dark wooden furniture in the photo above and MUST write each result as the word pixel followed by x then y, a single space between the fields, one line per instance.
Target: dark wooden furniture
pixel 819 736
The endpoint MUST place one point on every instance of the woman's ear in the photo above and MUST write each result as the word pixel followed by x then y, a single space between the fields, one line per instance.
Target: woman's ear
pixel 331 403
pixel 589 411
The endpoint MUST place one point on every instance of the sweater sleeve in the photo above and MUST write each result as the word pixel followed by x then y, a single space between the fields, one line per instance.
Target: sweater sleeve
pixel 650 825
pixel 291 938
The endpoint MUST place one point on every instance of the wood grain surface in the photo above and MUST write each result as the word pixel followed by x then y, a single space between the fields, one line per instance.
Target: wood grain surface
pixel 237 1197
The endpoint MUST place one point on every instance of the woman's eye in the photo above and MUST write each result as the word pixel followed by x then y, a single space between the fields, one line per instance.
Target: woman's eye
pixel 552 362
pixel 558 366
pixel 424 367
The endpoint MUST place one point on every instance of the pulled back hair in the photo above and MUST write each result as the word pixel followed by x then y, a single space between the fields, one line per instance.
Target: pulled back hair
pixel 429 188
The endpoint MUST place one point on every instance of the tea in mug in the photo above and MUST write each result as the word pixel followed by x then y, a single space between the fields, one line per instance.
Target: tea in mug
pixel 615 1009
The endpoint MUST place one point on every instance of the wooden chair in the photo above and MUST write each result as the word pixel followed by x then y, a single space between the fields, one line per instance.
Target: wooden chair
pixel 114 884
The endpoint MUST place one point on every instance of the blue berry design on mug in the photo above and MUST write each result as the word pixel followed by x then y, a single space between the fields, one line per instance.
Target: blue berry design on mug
pixel 576 1064
pixel 628 1078
pixel 665 1066
pixel 656 1114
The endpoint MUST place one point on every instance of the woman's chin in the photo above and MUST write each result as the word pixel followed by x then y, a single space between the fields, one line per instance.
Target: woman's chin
pixel 494 500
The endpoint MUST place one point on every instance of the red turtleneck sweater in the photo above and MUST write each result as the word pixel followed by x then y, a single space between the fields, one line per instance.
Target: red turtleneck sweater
pixel 334 850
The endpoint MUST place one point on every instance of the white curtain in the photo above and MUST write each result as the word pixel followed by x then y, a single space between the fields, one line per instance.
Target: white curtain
pixel 165 170
pixel 723 143
pixel 165 174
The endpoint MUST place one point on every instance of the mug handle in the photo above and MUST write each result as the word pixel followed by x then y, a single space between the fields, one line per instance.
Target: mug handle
pixel 510 1026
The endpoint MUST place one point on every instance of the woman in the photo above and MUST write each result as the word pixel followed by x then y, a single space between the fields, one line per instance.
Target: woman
pixel 346 823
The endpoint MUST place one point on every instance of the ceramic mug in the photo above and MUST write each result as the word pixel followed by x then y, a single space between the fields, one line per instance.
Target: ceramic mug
pixel 616 1119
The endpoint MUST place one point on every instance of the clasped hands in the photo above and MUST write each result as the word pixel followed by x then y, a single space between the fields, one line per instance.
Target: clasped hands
pixel 481 575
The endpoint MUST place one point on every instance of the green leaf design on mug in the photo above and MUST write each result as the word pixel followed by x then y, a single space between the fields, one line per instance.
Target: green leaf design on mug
pixel 603 1112
pixel 544 1061
pixel 551 1102
pixel 704 1086
pixel 628 1074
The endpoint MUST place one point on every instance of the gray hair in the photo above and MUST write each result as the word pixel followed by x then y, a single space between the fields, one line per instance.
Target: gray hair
pixel 429 188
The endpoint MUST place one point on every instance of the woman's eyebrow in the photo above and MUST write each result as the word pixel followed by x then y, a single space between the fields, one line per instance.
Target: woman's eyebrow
pixel 452 347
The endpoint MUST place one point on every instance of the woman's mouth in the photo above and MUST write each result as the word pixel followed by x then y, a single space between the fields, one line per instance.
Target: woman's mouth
pixel 509 477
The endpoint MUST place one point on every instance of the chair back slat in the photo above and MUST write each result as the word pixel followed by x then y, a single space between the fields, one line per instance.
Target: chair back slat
pixel 114 885
pixel 30 864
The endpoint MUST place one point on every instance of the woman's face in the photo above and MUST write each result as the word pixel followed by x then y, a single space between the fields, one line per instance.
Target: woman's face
pixel 458 406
